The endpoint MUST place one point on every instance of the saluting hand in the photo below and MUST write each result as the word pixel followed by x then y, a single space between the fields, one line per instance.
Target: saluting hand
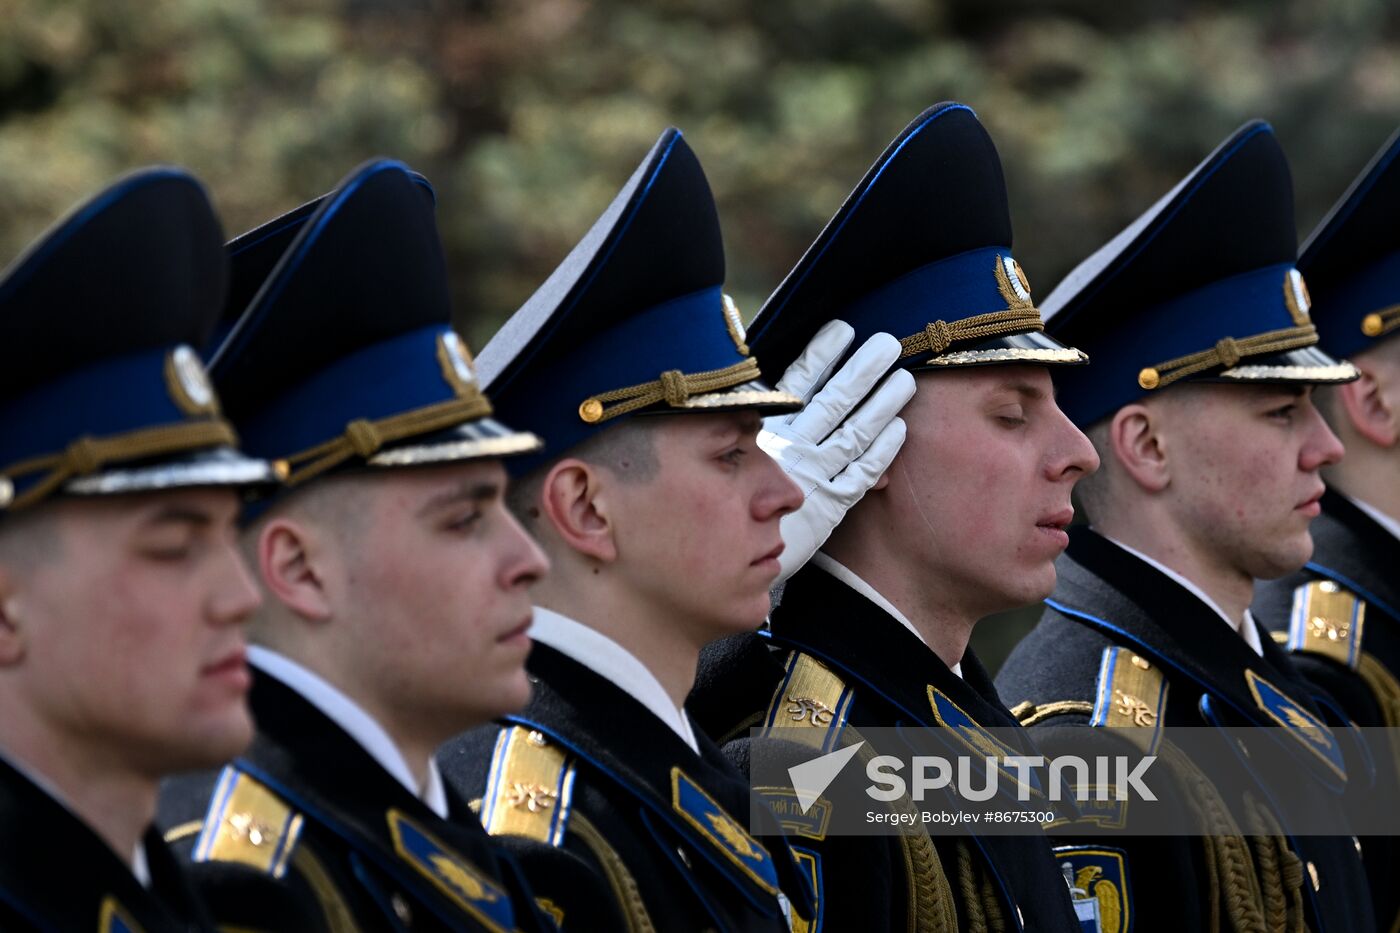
pixel 840 444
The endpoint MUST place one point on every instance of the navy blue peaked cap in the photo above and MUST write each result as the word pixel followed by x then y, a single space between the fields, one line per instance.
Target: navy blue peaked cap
pixel 921 249
pixel 1202 286
pixel 345 356
pixel 253 255
pixel 1352 260
pixel 101 390
pixel 633 320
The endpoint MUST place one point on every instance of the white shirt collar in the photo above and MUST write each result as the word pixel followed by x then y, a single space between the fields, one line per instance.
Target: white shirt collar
pixel 614 663
pixel 1245 628
pixel 849 577
pixel 1385 521
pixel 139 866
pixel 358 724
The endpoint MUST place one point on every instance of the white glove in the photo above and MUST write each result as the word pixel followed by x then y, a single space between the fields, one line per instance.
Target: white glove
pixel 833 450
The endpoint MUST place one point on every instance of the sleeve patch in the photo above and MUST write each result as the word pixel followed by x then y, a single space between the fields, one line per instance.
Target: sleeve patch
pixel 247 823
pixel 1098 881
pixel 1327 620
pixel 529 788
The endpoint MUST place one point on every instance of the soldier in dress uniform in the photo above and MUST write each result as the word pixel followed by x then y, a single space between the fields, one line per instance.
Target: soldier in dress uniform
pixel 967 521
pixel 1198 402
pixel 122 595
pixel 661 519
pixel 396 583
pixel 1339 616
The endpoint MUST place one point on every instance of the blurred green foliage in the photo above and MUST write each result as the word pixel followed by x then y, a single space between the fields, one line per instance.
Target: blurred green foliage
pixel 528 114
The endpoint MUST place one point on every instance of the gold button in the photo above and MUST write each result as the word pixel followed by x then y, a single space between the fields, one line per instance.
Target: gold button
pixel 591 410
pixel 535 739
pixel 1356 842
pixel 1371 325
pixel 1140 662
pixel 7 491
pixel 1327 586
pixel 1312 873
pixel 282 469
pixel 1149 378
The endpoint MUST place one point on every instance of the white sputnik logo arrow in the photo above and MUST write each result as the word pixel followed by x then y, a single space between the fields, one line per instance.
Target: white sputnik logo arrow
pixel 811 778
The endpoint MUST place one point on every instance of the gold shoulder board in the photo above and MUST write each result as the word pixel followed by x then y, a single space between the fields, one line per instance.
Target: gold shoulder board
pixel 1131 695
pixel 810 705
pixel 249 824
pixel 1327 620
pixel 529 787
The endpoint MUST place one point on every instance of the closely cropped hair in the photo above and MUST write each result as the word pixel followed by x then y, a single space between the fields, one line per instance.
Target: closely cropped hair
pixel 334 501
pixel 626 450
pixel 30 536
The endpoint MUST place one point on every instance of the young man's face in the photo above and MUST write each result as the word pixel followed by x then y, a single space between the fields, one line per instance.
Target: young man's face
pixel 1244 472
pixel 131 610
pixel 700 538
pixel 980 491
pixel 431 579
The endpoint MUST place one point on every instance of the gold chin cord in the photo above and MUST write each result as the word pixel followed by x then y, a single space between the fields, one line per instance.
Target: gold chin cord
pixel 1227 352
pixel 364 438
pixel 87 455
pixel 673 387
pixel 939 335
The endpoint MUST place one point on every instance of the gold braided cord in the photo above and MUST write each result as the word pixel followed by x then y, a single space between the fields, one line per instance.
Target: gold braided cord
pixel 984 914
pixel 931 906
pixel 673 387
pixel 991 904
pixel 1280 870
pixel 1386 690
pixel 1383 686
pixel 363 438
pixel 87 454
pixel 1227 352
pixel 626 892
pixel 336 912
pixel 1381 322
pixel 939 335
pixel 967 887
pixel 1232 876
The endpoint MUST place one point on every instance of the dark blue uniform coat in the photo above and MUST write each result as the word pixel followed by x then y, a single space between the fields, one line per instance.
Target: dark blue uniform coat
pixel 664 828
pixel 1109 598
pixel 307 831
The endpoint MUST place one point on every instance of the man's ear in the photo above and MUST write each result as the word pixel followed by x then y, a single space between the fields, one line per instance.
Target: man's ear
pixel 576 504
pixel 1135 437
pixel 13 637
pixel 1372 407
pixel 289 562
